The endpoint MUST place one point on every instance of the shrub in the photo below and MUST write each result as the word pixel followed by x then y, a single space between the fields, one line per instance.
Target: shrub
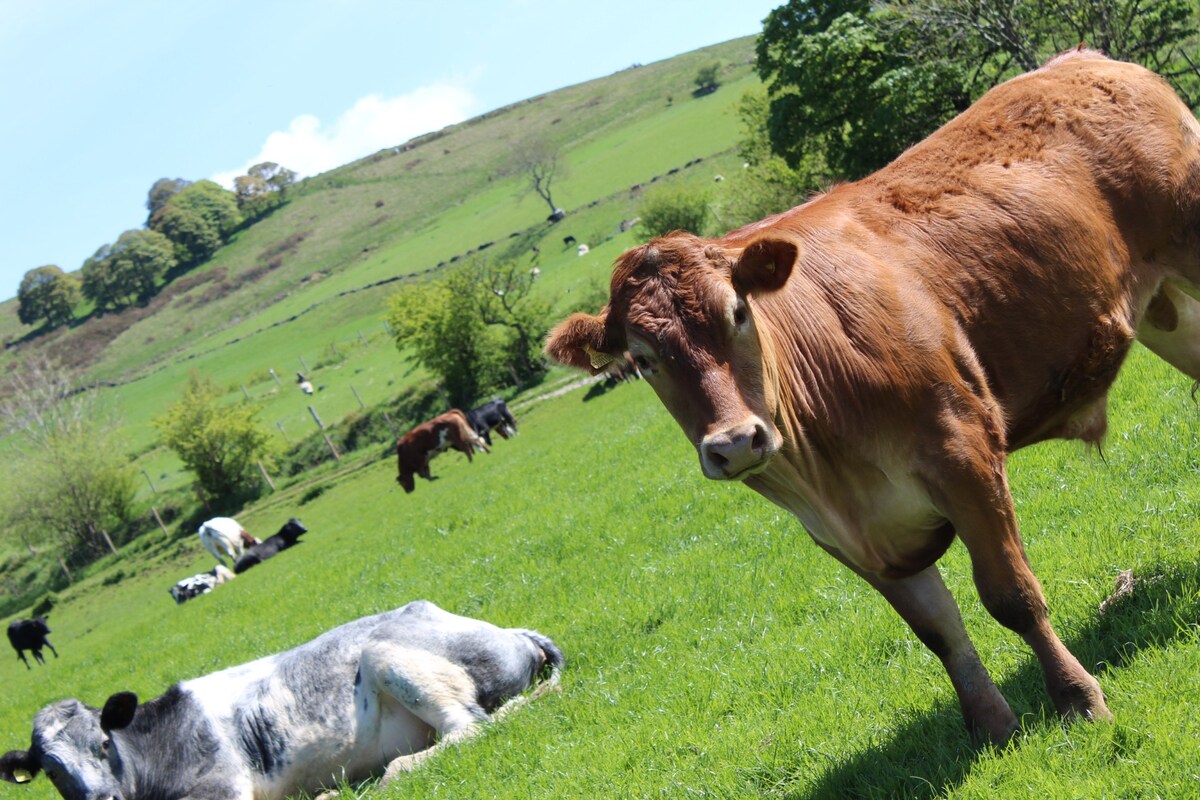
pixel 675 208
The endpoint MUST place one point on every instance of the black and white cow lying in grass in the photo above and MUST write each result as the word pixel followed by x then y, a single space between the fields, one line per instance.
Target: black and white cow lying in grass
pixel 377 695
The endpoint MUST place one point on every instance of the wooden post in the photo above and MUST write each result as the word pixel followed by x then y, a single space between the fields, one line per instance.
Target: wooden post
pixel 282 431
pixel 266 477
pixel 329 442
pixel 361 404
pixel 108 541
pixel 276 377
pixel 362 338
pixel 392 425
pixel 244 392
pixel 158 519
pixel 66 571
pixel 306 369
pixel 150 481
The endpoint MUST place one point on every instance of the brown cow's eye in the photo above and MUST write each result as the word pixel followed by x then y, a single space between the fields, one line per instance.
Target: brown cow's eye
pixel 739 315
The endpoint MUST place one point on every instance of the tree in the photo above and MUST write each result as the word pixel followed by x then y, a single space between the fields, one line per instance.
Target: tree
pixel 197 219
pixel 162 191
pixel 128 271
pixel 537 159
pixel 674 208
pixel 263 188
pixel 706 79
pixel 47 293
pixel 474 329
pixel 69 477
pixel 221 445
pixel 854 82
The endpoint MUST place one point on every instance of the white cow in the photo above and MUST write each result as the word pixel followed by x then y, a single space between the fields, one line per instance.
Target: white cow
pixel 377 695
pixel 223 536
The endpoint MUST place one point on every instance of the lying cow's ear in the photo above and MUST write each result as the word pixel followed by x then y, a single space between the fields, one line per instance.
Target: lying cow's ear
pixel 579 341
pixel 19 766
pixel 765 265
pixel 118 711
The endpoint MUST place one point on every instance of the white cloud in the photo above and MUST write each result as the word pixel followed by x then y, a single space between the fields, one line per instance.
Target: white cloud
pixel 371 124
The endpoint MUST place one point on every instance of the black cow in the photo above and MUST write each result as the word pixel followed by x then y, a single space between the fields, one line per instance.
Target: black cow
pixel 30 634
pixel 288 535
pixel 492 415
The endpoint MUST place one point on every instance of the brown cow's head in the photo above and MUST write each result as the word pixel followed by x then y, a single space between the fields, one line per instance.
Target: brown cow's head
pixel 678 304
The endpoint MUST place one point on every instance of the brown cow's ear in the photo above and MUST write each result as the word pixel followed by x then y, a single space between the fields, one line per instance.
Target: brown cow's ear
pixel 765 265
pixel 579 341
pixel 118 711
pixel 19 766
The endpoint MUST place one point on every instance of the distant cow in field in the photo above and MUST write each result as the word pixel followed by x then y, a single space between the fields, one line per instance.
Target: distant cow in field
pixel 30 634
pixel 492 415
pixel 288 536
pixel 224 536
pixel 376 696
pixel 203 583
pixel 869 359
pixel 418 446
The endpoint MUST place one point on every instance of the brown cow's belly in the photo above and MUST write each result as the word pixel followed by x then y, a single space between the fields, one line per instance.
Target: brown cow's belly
pixel 884 523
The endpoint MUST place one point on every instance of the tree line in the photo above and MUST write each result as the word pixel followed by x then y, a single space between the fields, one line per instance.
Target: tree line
pixel 187 223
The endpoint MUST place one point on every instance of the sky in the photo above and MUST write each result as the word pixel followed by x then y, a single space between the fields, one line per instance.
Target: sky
pixel 101 98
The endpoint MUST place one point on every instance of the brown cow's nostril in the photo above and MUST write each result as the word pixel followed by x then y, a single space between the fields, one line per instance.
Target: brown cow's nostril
pixel 716 458
pixel 759 442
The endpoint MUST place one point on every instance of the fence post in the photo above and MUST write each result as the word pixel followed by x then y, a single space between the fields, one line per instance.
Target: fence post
pixel 158 519
pixel 276 377
pixel 361 404
pixel 246 393
pixel 266 477
pixel 303 364
pixel 150 481
pixel 392 425
pixel 283 432
pixel 66 571
pixel 108 541
pixel 316 418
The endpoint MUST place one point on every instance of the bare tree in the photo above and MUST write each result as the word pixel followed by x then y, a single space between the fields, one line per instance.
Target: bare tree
pixel 68 477
pixel 538 160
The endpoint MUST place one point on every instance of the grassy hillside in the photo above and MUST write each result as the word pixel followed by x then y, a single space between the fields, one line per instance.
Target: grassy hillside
pixel 713 649
pixel 348 239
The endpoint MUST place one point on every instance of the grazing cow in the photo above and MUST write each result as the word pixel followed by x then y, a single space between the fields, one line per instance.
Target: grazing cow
pixel 223 536
pixel 202 583
pixel 492 415
pixel 418 446
pixel 368 697
pixel 288 535
pixel 869 359
pixel 30 634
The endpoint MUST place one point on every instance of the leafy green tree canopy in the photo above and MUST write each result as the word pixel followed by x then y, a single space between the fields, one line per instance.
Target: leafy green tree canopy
pixel 47 293
pixel 128 271
pixel 475 329
pixel 674 208
pixel 262 188
pixel 162 191
pixel 221 445
pixel 197 219
pixel 855 82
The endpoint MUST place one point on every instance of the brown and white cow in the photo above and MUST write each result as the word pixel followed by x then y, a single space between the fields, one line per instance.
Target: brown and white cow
pixel 868 360
pixel 415 448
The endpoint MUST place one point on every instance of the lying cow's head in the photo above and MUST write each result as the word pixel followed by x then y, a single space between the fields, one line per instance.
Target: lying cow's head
pixel 678 304
pixel 73 746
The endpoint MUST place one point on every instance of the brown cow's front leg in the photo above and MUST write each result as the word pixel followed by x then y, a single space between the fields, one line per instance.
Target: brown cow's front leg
pixel 924 602
pixel 981 509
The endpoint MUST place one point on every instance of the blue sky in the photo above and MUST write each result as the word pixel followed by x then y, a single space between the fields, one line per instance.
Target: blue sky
pixel 100 99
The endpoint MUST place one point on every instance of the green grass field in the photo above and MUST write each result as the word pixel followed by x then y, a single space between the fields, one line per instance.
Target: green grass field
pixel 713 649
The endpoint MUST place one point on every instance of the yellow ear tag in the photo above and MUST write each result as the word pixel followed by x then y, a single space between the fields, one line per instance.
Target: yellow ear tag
pixel 597 358
pixel 22 776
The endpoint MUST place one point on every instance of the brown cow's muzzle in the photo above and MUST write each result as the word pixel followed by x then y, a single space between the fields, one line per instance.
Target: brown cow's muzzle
pixel 738 451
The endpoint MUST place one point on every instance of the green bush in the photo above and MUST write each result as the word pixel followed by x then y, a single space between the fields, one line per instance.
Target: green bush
pixel 675 208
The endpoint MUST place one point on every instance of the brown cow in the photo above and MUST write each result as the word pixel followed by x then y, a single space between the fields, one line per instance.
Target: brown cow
pixel 868 360
pixel 425 441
